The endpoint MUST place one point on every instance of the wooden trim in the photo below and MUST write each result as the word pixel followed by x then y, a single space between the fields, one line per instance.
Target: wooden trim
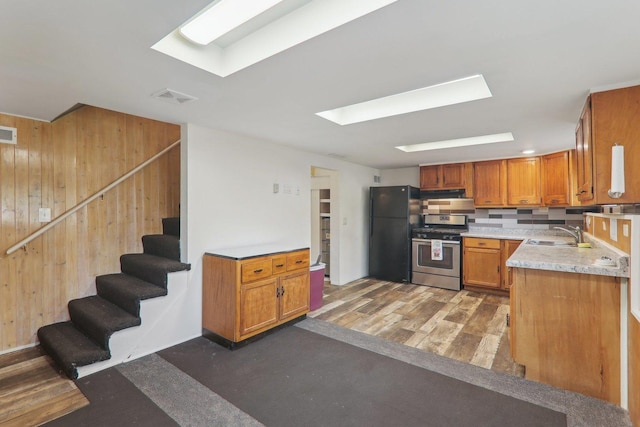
pixel 99 193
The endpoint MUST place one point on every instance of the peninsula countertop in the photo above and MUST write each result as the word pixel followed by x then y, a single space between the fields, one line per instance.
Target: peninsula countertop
pixel 559 258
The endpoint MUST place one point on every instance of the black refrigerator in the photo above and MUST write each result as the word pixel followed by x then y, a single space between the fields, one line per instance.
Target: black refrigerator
pixel 394 212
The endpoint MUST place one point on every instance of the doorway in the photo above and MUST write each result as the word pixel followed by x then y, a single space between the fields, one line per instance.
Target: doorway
pixel 323 218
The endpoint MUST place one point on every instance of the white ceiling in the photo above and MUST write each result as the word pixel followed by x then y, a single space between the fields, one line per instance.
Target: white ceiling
pixel 540 59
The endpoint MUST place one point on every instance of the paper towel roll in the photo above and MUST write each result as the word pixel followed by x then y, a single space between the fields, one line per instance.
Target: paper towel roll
pixel 617 169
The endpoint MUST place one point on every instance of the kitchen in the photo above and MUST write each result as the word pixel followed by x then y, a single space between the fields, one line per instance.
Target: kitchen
pixel 529 230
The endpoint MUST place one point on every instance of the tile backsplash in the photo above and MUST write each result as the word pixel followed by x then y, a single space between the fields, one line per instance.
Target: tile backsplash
pixel 534 218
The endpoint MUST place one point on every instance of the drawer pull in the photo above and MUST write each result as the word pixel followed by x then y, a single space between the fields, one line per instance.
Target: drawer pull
pixel 258 271
pixel 524 201
pixel 299 261
pixel 481 243
pixel 279 265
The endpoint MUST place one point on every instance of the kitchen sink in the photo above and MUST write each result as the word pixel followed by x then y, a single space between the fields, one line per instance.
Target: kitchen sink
pixel 537 242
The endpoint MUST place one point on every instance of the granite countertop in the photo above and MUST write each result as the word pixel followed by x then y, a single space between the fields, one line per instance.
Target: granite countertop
pixel 572 259
pixel 252 251
pixel 514 233
pixel 558 258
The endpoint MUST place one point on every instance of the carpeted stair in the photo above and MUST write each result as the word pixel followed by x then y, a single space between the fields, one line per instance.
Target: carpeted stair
pixel 85 338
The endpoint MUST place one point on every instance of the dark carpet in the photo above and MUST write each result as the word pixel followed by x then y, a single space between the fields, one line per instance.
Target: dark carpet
pixel 296 377
pixel 114 401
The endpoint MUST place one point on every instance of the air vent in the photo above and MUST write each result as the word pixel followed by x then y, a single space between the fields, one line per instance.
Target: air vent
pixel 8 135
pixel 173 96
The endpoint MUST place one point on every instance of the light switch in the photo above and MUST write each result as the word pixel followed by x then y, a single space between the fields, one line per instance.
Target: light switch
pixel 276 187
pixel 44 215
pixel 625 230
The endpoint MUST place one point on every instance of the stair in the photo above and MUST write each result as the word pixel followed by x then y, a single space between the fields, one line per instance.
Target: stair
pixel 87 337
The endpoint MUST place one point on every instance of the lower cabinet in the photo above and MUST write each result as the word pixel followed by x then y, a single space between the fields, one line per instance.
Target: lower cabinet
pixel 243 297
pixel 565 330
pixel 484 263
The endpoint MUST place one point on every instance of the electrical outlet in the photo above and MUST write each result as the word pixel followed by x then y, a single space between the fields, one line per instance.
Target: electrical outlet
pixel 286 189
pixel 44 215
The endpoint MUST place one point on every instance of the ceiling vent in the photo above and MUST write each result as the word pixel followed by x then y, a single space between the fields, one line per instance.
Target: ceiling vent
pixel 8 135
pixel 173 96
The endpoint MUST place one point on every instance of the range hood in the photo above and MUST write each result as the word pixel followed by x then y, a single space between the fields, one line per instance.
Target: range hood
pixel 443 194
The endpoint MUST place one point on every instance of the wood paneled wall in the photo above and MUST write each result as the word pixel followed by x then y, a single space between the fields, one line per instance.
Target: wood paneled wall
pixel 57 165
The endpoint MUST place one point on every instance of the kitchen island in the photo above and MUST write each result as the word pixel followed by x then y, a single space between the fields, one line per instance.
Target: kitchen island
pixel 248 291
pixel 566 305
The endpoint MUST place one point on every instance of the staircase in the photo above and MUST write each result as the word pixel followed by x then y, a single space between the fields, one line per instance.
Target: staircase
pixel 107 329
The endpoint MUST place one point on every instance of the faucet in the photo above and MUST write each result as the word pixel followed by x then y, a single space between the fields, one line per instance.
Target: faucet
pixel 576 232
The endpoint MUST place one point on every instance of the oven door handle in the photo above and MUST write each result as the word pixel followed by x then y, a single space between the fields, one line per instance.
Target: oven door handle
pixel 444 242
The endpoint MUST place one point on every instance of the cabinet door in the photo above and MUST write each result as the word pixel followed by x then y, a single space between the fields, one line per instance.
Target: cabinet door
pixel 489 183
pixel 508 248
pixel 294 295
pixel 482 267
pixel 584 153
pixel 453 175
pixel 614 119
pixel 555 179
pixel 523 181
pixel 258 306
pixel 430 177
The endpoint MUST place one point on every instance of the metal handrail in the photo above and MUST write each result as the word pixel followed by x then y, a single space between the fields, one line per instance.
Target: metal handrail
pixel 85 202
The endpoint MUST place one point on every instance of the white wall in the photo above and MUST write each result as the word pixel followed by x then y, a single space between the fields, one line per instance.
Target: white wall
pixel 402 176
pixel 228 200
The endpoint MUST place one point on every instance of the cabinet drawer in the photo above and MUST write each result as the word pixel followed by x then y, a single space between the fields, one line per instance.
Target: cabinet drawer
pixel 475 242
pixel 279 265
pixel 298 260
pixel 255 270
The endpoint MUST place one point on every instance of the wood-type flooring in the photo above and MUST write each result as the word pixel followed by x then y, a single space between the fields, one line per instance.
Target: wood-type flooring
pixel 467 326
pixel 32 391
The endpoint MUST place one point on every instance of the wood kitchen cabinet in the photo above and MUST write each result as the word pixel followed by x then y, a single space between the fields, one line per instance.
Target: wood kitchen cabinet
pixel 523 181
pixel 565 330
pixel 608 118
pixel 484 263
pixel 556 179
pixel 442 177
pixel 584 156
pixel 508 247
pixel 481 261
pixel 490 183
pixel 246 295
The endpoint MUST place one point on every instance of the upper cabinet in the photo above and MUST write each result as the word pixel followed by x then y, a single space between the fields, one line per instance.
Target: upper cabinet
pixel 490 183
pixel 441 177
pixel 584 156
pixel 608 118
pixel 523 181
pixel 556 179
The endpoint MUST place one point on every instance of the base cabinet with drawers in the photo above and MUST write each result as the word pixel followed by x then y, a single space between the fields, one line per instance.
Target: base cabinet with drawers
pixel 244 295
pixel 484 263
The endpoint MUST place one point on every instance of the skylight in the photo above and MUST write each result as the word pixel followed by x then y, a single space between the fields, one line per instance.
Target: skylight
pixel 219 18
pixel 290 22
pixel 453 92
pixel 461 142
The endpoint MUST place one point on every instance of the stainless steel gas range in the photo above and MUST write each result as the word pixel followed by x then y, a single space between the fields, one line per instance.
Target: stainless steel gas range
pixel 437 252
